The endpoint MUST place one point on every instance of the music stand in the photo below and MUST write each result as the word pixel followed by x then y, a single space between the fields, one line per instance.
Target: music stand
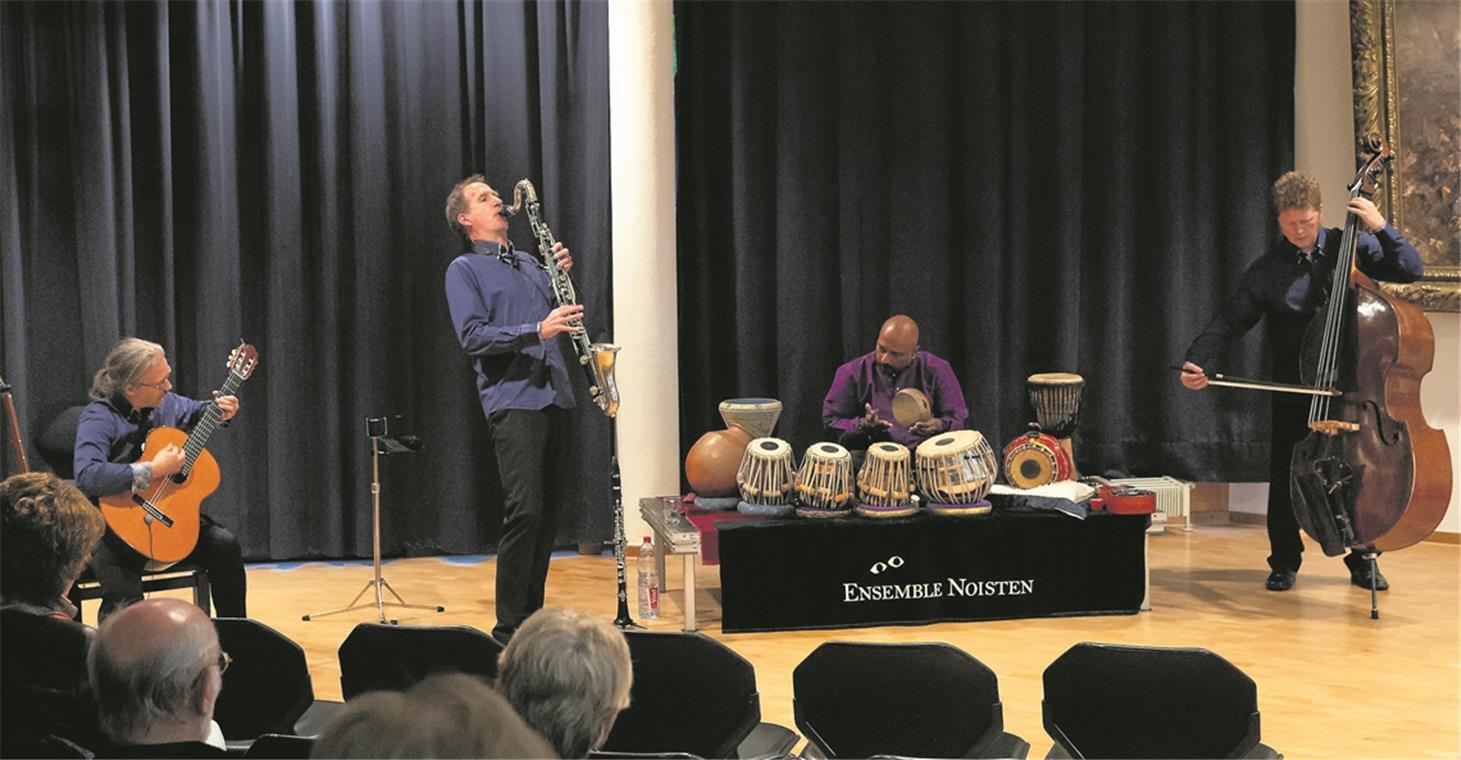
pixel 380 443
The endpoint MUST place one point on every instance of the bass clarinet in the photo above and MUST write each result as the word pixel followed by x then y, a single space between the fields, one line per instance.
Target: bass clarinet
pixel 597 360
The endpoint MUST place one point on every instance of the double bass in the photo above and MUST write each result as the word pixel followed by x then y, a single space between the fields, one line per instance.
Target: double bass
pixel 1371 475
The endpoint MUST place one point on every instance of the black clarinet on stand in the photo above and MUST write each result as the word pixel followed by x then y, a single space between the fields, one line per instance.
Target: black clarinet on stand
pixel 597 360
pixel 622 619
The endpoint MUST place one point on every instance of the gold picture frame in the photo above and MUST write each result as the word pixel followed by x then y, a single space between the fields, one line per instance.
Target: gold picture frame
pixel 1405 86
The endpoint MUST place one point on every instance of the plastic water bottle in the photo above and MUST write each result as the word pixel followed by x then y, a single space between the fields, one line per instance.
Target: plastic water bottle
pixel 648 582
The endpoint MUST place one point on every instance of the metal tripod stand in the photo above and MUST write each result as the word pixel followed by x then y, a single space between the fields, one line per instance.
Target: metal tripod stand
pixel 379 443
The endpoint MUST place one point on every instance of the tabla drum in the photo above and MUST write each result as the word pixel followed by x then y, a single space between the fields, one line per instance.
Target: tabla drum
pixel 911 406
pixel 885 482
pixel 1035 459
pixel 824 482
pixel 765 478
pixel 1056 399
pixel 955 471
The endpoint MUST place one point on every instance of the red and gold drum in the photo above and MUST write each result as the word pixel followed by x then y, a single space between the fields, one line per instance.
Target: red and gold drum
pixel 1036 459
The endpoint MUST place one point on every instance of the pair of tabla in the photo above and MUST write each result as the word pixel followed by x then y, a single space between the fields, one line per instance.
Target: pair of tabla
pixel 769 481
pixel 954 472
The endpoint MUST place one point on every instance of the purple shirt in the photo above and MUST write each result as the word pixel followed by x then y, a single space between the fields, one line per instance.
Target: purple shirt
pixel 496 308
pixel 861 381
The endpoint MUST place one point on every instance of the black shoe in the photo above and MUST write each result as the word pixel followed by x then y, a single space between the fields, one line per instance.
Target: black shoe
pixel 1361 578
pixel 1280 580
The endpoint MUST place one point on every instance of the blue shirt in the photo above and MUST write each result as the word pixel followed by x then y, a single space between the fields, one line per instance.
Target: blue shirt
pixel 496 308
pixel 1288 289
pixel 110 434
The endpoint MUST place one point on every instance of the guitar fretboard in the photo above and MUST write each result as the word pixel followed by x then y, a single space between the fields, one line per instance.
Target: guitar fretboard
pixel 212 418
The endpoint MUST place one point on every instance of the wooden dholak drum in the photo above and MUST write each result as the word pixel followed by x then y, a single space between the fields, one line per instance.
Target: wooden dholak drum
pixel 1056 399
pixel 955 472
pixel 911 406
pixel 1036 459
pixel 765 477
pixel 885 482
pixel 824 482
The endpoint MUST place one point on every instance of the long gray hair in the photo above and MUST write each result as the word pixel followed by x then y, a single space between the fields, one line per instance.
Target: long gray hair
pixel 125 365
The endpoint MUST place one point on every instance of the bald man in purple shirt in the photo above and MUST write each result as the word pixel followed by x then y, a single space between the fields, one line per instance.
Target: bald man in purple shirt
pixel 859 405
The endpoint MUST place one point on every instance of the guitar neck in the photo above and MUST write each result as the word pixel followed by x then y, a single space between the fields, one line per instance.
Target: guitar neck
pixel 212 418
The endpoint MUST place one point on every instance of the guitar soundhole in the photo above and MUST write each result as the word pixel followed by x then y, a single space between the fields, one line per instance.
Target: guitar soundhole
pixel 178 478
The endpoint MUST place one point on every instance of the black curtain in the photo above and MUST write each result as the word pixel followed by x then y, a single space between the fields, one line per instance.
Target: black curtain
pixel 197 172
pixel 1043 186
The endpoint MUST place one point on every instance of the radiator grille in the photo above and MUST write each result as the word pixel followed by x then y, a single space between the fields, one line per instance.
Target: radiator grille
pixel 1173 496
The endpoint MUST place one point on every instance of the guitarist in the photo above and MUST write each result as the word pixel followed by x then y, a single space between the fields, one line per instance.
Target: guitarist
pixel 132 395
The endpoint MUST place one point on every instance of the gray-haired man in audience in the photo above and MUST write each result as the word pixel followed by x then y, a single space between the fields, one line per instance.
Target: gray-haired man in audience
pixel 156 669
pixel 568 675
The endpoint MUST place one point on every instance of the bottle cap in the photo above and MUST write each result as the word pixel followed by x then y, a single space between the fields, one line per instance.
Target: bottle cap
pixel 646 538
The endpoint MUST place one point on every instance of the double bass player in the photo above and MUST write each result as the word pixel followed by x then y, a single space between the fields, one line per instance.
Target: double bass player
pixel 1288 284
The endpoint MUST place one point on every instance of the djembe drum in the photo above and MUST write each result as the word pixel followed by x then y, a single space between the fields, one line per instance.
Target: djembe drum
pixel 1035 459
pixel 885 482
pixel 1056 399
pixel 955 472
pixel 824 482
pixel 766 478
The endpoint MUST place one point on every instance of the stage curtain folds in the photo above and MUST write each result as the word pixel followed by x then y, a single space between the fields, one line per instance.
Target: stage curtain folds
pixel 193 173
pixel 1043 186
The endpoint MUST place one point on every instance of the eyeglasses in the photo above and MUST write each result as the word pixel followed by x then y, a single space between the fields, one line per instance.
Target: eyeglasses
pixel 160 385
pixel 223 662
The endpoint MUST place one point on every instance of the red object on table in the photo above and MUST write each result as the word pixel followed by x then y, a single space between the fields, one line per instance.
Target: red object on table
pixel 705 521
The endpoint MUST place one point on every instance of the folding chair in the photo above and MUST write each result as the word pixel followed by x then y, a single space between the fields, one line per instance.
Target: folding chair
pixel 1112 700
pixel 394 657
pixel 267 689
pixel 693 695
pixel 911 700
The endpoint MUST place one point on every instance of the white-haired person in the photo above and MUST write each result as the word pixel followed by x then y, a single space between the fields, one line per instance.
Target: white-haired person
pixel 568 674
pixel 156 671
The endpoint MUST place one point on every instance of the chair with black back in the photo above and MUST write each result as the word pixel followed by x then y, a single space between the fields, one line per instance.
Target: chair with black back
pixel 911 700
pixel 44 707
pixel 56 444
pixel 693 694
pixel 394 657
pixel 267 688
pixel 1112 700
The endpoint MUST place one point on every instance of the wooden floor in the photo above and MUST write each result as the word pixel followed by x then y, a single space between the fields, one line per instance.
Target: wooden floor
pixel 1331 681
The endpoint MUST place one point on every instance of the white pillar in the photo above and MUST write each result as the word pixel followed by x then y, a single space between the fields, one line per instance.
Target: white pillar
pixel 641 160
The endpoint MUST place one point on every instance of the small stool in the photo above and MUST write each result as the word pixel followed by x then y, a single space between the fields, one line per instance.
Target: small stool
pixel 177 576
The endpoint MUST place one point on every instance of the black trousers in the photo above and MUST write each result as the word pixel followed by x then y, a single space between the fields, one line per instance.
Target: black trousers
pixel 119 569
pixel 1286 548
pixel 530 446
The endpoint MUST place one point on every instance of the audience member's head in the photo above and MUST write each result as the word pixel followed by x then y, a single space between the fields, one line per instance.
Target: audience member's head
pixel 156 669
pixel 446 715
pixel 48 530
pixel 568 674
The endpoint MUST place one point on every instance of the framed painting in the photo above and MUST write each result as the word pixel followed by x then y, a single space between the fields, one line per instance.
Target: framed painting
pixel 1407 76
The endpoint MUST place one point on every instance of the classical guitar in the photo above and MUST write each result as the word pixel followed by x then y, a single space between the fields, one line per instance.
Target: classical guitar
pixel 161 522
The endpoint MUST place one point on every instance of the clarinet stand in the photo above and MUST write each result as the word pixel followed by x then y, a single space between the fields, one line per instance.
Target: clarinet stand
pixel 380 443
